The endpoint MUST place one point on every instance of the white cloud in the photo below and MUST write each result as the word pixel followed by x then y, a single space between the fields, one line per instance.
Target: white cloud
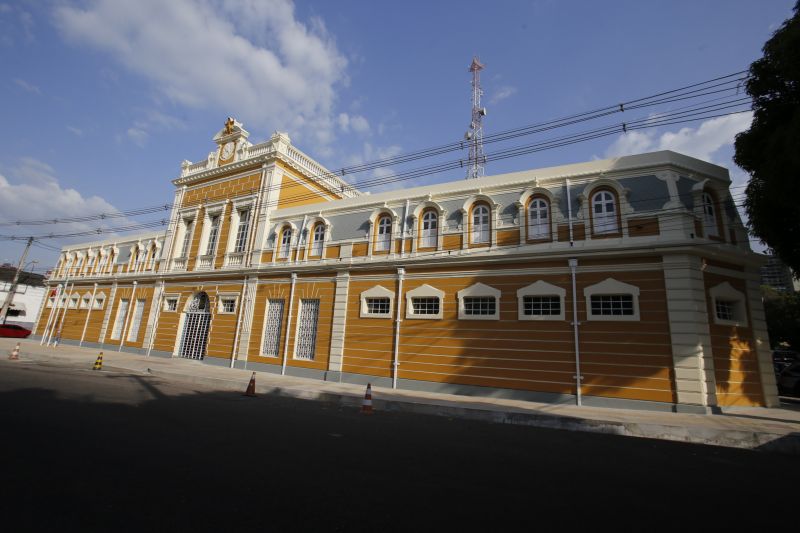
pixel 34 192
pixel 252 58
pixel 502 93
pixel 138 136
pixel 29 87
pixel 76 131
pixel 701 142
pixel 356 123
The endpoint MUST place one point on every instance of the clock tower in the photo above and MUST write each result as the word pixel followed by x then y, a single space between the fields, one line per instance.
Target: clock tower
pixel 230 141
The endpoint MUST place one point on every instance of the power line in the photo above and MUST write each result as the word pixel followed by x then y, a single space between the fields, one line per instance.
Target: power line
pixel 700 89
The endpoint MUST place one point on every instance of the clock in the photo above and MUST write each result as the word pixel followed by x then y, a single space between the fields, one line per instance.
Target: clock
pixel 227 150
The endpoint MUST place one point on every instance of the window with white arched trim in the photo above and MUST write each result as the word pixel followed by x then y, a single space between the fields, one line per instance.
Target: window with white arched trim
pixel 318 240
pixel 429 237
pixel 480 224
pixel 538 219
pixel 383 238
pixel 604 212
pixel 710 216
pixel 286 241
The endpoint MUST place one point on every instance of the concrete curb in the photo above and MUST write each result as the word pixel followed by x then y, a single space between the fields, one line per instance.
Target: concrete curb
pixel 762 441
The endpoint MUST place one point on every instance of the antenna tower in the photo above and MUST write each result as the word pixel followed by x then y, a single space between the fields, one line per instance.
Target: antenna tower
pixel 474 134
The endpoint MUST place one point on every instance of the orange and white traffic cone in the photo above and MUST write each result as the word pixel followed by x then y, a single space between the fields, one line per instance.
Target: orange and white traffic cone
pixel 366 405
pixel 14 355
pixel 251 387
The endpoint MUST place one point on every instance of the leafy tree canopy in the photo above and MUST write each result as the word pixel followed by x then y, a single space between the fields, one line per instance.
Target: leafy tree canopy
pixel 770 150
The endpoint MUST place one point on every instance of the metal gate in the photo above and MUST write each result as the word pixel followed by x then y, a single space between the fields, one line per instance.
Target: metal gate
pixel 272 328
pixel 195 328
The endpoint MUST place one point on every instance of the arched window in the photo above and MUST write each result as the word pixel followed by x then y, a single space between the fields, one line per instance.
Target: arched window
pixel 384 237
pixel 286 241
pixel 480 224
pixel 710 216
pixel 430 230
pixel 604 212
pixel 319 238
pixel 538 219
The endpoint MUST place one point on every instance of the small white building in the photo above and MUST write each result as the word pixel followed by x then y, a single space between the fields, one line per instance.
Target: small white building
pixel 27 299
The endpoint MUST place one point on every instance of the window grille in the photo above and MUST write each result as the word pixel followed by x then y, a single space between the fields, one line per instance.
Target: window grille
pixel 241 232
pixel 425 306
pixel 272 328
pixel 171 304
pixel 612 304
pixel 197 321
pixel 122 311
pixel 319 238
pixel 228 305
pixel 98 303
pixel 480 224
pixel 480 305
pixel 430 224
pixel 541 305
pixel 605 213
pixel 538 220
pixel 213 235
pixel 383 242
pixel 307 329
pixel 85 303
pixel 378 306
pixel 286 241
pixel 138 311
pixel 187 238
pixel 726 309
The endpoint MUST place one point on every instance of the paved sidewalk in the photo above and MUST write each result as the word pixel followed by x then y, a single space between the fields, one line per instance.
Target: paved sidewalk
pixel 753 428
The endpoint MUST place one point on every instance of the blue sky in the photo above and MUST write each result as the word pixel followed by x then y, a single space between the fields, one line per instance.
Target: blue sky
pixel 102 100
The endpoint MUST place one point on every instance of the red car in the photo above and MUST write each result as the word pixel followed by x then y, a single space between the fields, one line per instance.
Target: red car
pixel 13 330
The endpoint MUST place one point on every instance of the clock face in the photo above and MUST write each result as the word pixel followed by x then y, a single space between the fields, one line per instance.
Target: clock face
pixel 227 150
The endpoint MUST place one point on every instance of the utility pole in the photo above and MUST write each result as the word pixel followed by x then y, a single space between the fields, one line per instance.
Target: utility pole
pixel 13 288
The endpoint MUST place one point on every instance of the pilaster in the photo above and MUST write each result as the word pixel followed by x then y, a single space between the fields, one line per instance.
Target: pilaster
pixel 761 339
pixel 152 317
pixel 692 359
pixel 336 355
pixel 109 306
pixel 249 304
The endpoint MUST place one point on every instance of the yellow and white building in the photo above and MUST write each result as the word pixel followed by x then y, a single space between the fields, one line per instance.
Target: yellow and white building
pixel 634 273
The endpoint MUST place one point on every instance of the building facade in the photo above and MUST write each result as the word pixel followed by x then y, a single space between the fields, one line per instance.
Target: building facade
pixel 28 295
pixel 777 275
pixel 633 273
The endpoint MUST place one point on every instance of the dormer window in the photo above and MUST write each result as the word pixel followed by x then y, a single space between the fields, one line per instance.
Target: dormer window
pixel 604 212
pixel 286 241
pixel 710 215
pixel 430 230
pixel 318 240
pixel 384 236
pixel 538 219
pixel 480 224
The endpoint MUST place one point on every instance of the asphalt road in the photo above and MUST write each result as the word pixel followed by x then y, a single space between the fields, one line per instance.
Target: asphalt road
pixel 105 451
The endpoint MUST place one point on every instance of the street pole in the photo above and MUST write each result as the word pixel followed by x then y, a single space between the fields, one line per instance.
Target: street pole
pixel 13 288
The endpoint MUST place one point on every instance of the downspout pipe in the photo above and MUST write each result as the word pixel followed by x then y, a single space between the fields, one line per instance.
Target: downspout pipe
pixel 88 314
pixel 126 323
pixel 573 265
pixel 288 325
pixel 239 321
pixel 401 272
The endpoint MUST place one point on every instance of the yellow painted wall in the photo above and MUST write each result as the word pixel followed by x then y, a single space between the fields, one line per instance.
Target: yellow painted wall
pixel 735 361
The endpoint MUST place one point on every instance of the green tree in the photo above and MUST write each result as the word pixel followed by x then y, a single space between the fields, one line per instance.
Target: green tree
pixel 770 150
pixel 782 312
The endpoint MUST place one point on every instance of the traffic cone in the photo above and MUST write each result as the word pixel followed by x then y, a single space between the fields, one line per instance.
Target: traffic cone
pixel 251 387
pixel 366 405
pixel 98 365
pixel 14 355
